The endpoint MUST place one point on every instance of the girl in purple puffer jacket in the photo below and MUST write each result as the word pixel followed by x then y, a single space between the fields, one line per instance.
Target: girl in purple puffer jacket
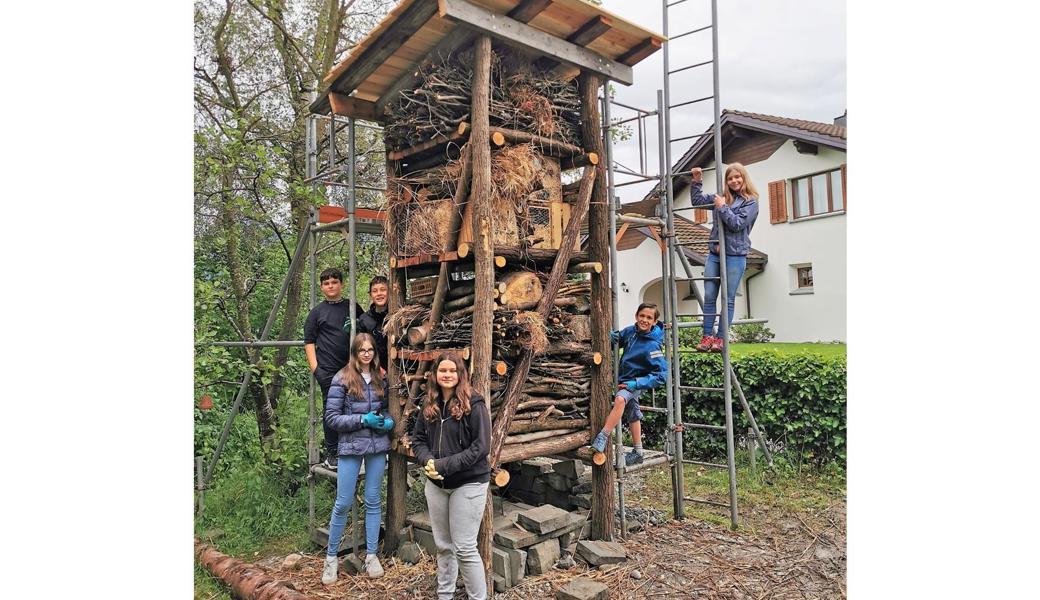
pixel 357 410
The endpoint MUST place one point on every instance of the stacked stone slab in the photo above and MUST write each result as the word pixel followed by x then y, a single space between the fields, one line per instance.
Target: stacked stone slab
pixel 566 484
pixel 527 539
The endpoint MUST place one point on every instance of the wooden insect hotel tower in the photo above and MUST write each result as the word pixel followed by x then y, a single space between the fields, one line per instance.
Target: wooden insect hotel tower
pixel 488 107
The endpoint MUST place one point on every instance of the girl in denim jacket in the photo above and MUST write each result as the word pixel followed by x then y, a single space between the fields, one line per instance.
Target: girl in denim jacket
pixel 737 210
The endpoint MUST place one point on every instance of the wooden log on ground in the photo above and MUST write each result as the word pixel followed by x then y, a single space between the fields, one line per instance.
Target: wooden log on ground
pixel 586 454
pixel 246 581
pixel 546 447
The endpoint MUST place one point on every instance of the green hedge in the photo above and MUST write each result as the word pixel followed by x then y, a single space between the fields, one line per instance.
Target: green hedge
pixel 798 401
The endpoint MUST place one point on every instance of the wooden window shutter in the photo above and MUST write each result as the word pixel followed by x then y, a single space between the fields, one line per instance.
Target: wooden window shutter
pixel 844 193
pixel 778 201
pixel 700 216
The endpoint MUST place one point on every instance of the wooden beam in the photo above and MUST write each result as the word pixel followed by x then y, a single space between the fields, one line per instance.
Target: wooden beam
pixel 348 106
pixel 371 58
pixel 535 40
pixel 620 233
pixel 528 10
pixel 640 51
pixel 592 29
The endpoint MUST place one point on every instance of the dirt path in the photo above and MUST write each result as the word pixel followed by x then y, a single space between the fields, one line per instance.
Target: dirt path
pixel 779 556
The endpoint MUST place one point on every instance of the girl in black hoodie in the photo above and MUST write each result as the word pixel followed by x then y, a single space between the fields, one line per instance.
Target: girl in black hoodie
pixel 451 439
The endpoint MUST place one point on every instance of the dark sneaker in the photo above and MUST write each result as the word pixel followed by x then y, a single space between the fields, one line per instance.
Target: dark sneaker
pixel 716 344
pixel 599 443
pixel 705 345
pixel 633 458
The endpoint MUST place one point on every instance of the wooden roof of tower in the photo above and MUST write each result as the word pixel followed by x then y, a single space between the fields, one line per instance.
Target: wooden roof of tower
pixel 572 32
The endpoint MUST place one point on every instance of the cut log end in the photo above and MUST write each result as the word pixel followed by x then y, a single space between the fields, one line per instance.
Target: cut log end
pixel 500 261
pixel 498 139
pixel 501 478
pixel 599 458
pixel 597 358
pixel 463 126
pixel 501 367
pixel 593 158
pixel 463 250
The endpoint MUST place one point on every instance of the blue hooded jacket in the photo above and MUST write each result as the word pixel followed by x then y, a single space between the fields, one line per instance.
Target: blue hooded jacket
pixel 643 365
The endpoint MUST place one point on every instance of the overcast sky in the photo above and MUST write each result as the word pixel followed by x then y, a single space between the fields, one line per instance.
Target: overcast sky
pixel 777 57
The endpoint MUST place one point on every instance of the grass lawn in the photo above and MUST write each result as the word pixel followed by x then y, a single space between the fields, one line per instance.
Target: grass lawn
pixel 763 496
pixel 790 348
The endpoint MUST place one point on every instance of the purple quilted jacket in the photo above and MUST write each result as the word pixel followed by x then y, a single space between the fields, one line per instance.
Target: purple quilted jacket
pixel 343 413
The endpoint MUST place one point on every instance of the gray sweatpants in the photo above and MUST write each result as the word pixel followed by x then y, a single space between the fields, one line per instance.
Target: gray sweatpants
pixel 455 516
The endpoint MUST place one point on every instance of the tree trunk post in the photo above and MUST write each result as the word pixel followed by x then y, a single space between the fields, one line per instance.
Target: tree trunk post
pixel 484 252
pixel 602 385
pixel 397 472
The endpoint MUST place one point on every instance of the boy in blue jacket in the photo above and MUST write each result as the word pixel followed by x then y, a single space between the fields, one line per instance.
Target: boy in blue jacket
pixel 642 367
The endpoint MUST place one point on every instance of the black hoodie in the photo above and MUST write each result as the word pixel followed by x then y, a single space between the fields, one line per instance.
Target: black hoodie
pixel 371 321
pixel 459 447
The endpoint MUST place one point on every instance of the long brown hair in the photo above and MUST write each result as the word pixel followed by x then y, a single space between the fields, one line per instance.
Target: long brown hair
pixel 748 192
pixel 459 405
pixel 351 372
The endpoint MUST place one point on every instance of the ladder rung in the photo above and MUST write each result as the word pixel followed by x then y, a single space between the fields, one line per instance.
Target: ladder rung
pixel 653 409
pixel 705 426
pixel 675 37
pixel 694 388
pixel 691 102
pixel 671 4
pixel 678 279
pixel 703 501
pixel 681 69
pixel 705 464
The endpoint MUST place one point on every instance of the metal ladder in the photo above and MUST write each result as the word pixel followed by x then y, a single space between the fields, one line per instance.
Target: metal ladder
pixel 670 292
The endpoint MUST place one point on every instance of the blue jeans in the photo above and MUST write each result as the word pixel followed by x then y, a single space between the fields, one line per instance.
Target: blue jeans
pixel 735 266
pixel 346 482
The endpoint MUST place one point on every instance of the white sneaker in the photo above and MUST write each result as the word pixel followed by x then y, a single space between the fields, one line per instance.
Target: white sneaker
pixel 372 566
pixel 328 575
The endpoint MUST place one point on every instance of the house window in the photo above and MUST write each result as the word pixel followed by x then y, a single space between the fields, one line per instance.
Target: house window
pixel 801 279
pixel 805 277
pixel 819 193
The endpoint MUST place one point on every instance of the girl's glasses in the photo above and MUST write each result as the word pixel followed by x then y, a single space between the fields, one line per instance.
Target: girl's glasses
pixel 366 351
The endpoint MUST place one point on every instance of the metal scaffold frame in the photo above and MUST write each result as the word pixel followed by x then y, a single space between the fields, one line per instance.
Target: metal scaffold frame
pixel 671 258
pixel 334 170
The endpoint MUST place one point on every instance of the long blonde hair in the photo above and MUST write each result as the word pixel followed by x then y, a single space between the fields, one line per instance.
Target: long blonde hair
pixel 351 372
pixel 459 405
pixel 748 191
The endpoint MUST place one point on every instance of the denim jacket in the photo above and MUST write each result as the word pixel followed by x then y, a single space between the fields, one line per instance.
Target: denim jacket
pixel 738 218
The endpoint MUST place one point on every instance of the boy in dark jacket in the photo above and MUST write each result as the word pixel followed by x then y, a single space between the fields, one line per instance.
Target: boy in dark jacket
pixel 642 367
pixel 371 321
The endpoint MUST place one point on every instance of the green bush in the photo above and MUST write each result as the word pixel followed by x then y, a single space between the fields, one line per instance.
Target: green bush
pixel 798 402
pixel 751 333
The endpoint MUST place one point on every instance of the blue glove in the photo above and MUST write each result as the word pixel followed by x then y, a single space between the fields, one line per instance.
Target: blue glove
pixel 372 420
pixel 388 424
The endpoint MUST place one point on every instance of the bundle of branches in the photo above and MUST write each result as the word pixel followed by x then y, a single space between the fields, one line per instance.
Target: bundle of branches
pixel 403 318
pixel 452 332
pixel 521 99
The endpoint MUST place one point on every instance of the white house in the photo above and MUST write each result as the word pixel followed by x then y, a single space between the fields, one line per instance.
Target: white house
pixel 796 270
